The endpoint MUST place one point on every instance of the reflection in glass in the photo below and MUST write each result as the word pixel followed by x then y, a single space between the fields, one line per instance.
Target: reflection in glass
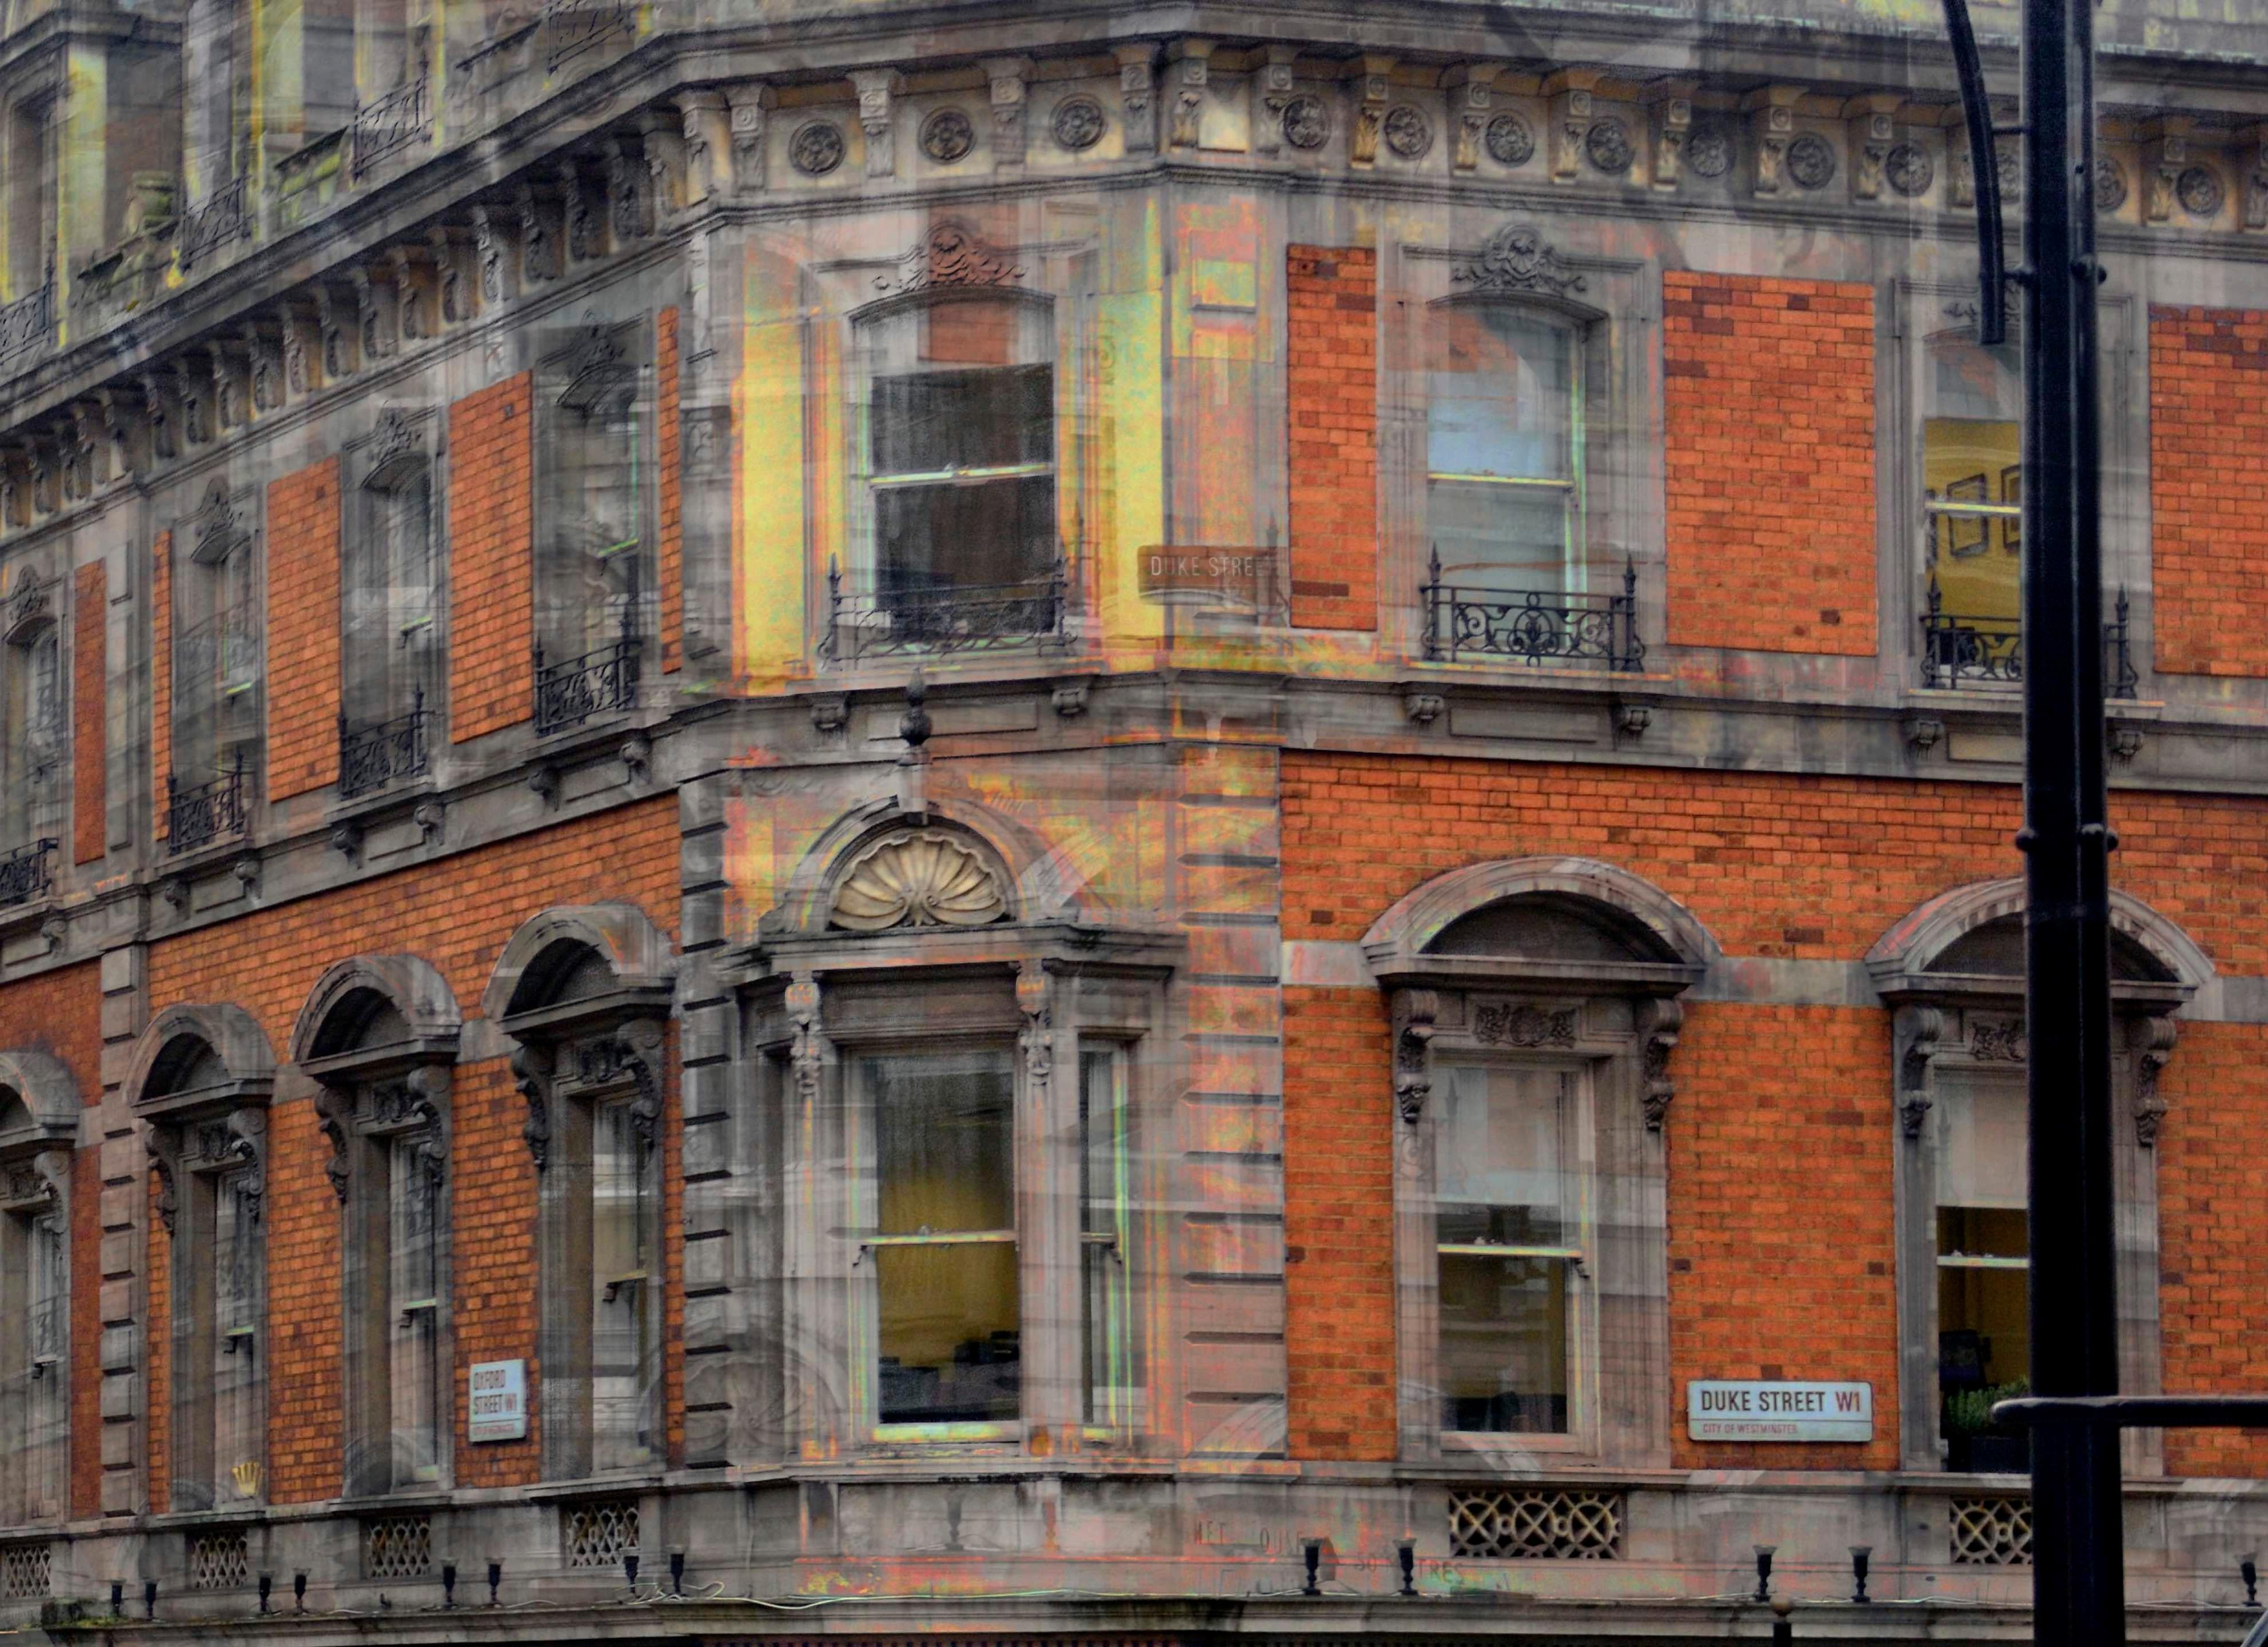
pixel 414 1332
pixel 948 1341
pixel 624 1359
pixel 1502 449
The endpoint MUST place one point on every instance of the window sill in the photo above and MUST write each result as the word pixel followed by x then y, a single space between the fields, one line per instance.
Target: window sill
pixel 618 1484
pixel 947 1435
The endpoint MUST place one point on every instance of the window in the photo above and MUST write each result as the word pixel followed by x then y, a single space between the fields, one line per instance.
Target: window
pixel 594 543
pixel 32 221
pixel 31 811
pixel 948 1323
pixel 959 469
pixel 1534 1009
pixel 218 672
pixel 390 649
pixel 960 1104
pixel 1105 1232
pixel 200 1078
pixel 1954 973
pixel 1506 1232
pixel 589 1062
pixel 379 1037
pixel 34 1329
pixel 1972 505
pixel 1504 448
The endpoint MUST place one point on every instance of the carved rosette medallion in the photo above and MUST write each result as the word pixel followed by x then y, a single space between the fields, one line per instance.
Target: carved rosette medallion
pixel 1609 145
pixel 1510 141
pixel 2110 184
pixel 1908 169
pixel 1516 1024
pixel 2200 191
pixel 1078 123
pixel 1409 134
pixel 948 136
pixel 1810 160
pixel 816 149
pixel 1709 152
pixel 1306 122
pixel 918 877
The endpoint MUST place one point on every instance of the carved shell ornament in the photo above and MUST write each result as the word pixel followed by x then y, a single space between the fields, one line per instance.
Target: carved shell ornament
pixel 918 877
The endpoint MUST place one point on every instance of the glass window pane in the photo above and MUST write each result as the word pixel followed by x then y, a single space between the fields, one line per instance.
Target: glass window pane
pixel 1982 1137
pixel 414 1251
pixel 236 1348
pixel 1492 536
pixel 1500 1172
pixel 1504 1343
pixel 948 1315
pixel 1102 1243
pixel 624 1361
pixel 925 421
pixel 1500 399
pixel 972 535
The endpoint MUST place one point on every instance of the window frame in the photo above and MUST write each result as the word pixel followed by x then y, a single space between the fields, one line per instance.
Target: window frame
pixel 38 1130
pixel 34 631
pixel 814 1001
pixel 394 457
pixel 219 589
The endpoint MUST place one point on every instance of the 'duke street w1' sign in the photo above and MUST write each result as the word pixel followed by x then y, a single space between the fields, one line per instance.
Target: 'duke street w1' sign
pixel 1728 1409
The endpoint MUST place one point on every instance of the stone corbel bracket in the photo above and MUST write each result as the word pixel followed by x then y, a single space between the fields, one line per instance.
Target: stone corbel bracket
pixel 1918 1030
pixel 1771 127
pixel 1669 109
pixel 1470 102
pixel 1415 1012
pixel 1569 93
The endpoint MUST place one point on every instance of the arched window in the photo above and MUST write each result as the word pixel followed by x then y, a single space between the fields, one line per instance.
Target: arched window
pixel 1955 973
pixel 594 576
pixel 390 646
pixel 201 1080
pixel 954 461
pixel 39 1126
pixel 588 1027
pixel 1534 1006
pixel 379 1037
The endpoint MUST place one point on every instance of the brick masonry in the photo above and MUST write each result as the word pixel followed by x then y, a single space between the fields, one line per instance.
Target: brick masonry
pixel 1780 1138
pixel 669 557
pixel 1331 394
pixel 491 537
pixel 1768 387
pixel 90 712
pixel 303 631
pixel 2209 491
pixel 268 961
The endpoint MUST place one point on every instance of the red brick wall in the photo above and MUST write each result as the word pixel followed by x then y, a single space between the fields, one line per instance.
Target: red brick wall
pixel 2209 491
pixel 303 631
pixel 1338 1254
pixel 1331 390
pixel 491 568
pixel 1769 396
pixel 2212 1224
pixel 161 676
pixel 669 560
pixel 267 962
pixel 1783 1249
pixel 90 712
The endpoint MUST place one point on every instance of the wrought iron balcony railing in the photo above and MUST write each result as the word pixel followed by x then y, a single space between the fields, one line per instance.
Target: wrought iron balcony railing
pixel 226 217
pixel 391 123
pixel 372 757
pixel 1959 650
pixel 934 619
pixel 28 323
pixel 570 692
pixel 27 873
pixel 1534 627
pixel 205 813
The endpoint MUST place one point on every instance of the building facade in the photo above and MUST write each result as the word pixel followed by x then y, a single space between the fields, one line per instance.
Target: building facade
pixel 1064 821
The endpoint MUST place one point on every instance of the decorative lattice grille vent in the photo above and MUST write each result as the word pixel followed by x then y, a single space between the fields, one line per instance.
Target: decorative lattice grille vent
pixel 218 1561
pixel 1536 1523
pixel 398 1547
pixel 1992 1532
pixel 23 1569
pixel 600 1535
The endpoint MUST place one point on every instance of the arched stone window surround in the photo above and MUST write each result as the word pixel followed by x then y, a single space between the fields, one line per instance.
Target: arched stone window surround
pixel 377 1036
pixel 585 994
pixel 1046 882
pixel 200 1078
pixel 39 1128
pixel 1959 1015
pixel 1061 983
pixel 1607 1013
